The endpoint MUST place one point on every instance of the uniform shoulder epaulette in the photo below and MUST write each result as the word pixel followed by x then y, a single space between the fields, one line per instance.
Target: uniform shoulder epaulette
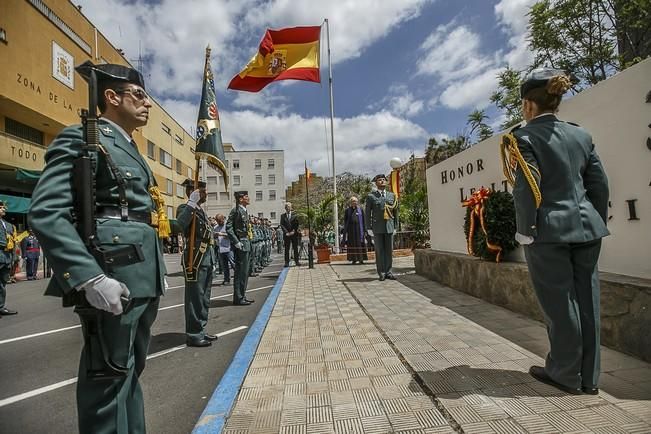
pixel 572 123
pixel 514 128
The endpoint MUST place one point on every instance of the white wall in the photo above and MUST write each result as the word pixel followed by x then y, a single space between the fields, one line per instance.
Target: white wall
pixel 616 114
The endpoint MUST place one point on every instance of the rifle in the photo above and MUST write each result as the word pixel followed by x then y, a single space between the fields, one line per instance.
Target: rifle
pixel 98 363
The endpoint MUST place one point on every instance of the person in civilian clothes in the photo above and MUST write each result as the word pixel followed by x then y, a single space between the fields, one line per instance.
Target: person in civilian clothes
pixel 31 251
pixel 561 204
pixel 7 233
pixel 354 232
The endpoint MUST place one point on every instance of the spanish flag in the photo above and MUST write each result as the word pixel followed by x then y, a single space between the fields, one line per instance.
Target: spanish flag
pixel 285 54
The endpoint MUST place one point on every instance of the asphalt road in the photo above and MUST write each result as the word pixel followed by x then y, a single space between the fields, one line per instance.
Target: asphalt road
pixel 38 373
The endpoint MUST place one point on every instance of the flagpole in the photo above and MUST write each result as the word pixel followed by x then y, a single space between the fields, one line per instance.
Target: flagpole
pixel 332 139
pixel 310 255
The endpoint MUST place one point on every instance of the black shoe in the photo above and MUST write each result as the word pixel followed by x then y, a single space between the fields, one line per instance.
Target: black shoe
pixel 242 303
pixel 198 342
pixel 538 372
pixel 590 390
pixel 249 300
pixel 226 282
pixel 298 264
pixel 4 312
pixel 286 266
pixel 210 337
pixel 361 262
pixel 253 275
pixel 390 276
pixel 382 278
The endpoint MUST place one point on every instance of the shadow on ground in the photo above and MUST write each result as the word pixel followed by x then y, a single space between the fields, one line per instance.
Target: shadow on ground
pixel 165 341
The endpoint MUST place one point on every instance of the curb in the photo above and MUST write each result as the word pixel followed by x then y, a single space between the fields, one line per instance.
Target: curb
pixel 221 402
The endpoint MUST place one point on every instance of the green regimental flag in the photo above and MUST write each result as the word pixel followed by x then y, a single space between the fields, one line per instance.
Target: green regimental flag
pixel 209 134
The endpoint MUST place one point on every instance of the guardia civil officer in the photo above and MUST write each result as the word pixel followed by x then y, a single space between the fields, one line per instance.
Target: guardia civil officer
pixel 7 244
pixel 109 397
pixel 382 215
pixel 561 200
pixel 198 278
pixel 240 232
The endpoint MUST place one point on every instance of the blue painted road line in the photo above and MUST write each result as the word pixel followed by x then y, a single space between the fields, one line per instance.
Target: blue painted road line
pixel 221 402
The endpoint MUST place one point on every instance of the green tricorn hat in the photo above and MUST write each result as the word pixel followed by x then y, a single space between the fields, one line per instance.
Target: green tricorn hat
pixel 111 71
pixel 189 183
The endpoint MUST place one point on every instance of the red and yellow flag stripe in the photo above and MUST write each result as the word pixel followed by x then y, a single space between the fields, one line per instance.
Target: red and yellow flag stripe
pixel 285 54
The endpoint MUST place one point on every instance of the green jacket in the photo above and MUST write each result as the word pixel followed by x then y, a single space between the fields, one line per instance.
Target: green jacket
pixel 375 205
pixel 572 183
pixel 51 215
pixel 6 257
pixel 237 228
pixel 202 234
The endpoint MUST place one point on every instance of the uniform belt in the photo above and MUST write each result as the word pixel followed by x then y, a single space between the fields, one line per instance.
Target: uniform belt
pixel 116 213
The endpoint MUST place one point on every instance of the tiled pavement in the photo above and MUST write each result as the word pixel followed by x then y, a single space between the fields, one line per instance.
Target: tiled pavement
pixel 345 353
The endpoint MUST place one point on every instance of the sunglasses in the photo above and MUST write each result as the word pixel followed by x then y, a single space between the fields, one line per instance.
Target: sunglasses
pixel 138 94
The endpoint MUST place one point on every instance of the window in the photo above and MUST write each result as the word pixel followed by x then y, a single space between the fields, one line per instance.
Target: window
pixel 180 190
pixel 236 180
pixel 236 164
pixel 272 179
pixel 212 196
pixel 261 215
pixel 224 197
pixel 170 211
pixel 190 172
pixel 151 150
pixel 258 179
pixel 212 180
pixel 271 163
pixel 178 139
pixel 258 195
pixel 165 128
pixel 226 163
pixel 179 167
pixel 273 215
pixel 23 131
pixel 258 163
pixel 165 158
pixel 170 187
pixel 272 194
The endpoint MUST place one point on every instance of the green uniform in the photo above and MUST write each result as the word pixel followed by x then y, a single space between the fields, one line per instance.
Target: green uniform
pixel 566 229
pixel 197 287
pixel 6 258
pixel 382 214
pixel 116 405
pixel 239 230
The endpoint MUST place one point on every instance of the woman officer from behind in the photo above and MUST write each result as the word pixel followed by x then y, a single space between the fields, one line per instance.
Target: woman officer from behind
pixel 561 200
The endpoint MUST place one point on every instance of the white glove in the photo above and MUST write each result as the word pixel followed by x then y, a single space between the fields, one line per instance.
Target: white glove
pixel 194 199
pixel 238 246
pixel 104 293
pixel 523 239
pixel 167 285
pixel 370 232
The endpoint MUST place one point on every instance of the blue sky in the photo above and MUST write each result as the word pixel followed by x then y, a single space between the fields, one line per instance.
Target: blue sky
pixel 403 70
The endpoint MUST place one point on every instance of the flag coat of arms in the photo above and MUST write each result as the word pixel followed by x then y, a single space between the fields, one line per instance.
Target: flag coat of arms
pixel 209 135
pixel 284 54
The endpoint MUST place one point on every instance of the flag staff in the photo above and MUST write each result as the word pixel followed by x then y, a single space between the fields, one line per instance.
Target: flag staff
pixel 310 254
pixel 332 140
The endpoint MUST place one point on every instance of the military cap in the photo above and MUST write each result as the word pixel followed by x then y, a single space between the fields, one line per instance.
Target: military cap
pixel 380 176
pixel 240 194
pixel 538 78
pixel 111 71
pixel 189 183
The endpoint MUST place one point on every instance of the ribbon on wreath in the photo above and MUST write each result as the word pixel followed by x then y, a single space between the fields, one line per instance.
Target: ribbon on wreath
pixel 476 203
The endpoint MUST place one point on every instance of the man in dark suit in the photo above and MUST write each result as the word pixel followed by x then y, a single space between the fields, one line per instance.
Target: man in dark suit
pixel 561 204
pixel 289 224
pixel 198 283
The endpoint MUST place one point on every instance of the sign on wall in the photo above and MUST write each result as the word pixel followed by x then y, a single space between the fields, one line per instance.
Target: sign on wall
pixel 615 112
pixel 63 66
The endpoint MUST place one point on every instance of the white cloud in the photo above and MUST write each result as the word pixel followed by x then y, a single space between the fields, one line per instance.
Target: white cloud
pixel 512 15
pixel 354 25
pixel 364 143
pixel 474 92
pixel 266 101
pixel 401 102
pixel 452 54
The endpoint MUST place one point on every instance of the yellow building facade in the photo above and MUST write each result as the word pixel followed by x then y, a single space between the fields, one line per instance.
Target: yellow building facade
pixel 40 93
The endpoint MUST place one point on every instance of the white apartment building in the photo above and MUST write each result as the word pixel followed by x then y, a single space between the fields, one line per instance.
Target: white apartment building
pixel 261 173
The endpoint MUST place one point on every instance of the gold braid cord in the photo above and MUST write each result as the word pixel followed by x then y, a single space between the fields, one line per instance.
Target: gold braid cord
pixel 159 218
pixel 10 243
pixel 388 210
pixel 511 157
pixel 477 210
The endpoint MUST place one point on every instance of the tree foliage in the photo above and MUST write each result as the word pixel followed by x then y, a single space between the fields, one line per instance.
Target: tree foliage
pixel 450 146
pixel 477 127
pixel 414 212
pixel 507 97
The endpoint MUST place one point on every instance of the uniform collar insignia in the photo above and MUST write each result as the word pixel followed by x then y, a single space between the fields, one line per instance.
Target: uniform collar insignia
pixel 107 130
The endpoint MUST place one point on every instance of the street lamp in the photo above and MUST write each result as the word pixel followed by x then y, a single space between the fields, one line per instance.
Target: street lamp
pixel 395 163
